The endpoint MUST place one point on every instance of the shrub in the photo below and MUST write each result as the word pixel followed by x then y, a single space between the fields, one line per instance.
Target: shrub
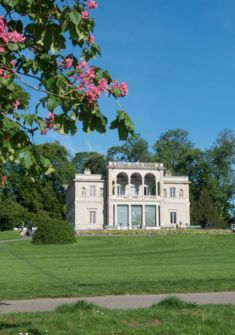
pixel 53 231
pixel 12 214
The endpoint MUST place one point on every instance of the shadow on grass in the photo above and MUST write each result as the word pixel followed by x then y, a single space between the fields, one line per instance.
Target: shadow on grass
pixel 11 325
pixel 80 305
pixel 173 302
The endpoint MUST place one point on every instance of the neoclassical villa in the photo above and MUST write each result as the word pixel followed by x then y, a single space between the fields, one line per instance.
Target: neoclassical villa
pixel 132 195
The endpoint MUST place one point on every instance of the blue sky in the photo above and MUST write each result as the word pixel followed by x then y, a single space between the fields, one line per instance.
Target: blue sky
pixel 178 59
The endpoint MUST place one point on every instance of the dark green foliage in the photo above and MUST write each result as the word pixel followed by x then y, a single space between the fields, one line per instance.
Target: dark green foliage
pixel 174 302
pixel 94 161
pixel 53 231
pixel 12 214
pixel 135 149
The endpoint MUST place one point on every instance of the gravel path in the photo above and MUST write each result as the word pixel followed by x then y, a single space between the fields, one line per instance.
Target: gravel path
pixel 115 301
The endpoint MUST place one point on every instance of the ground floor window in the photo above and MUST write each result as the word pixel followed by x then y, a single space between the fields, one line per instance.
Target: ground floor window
pixel 136 215
pixel 173 217
pixel 122 215
pixel 150 216
pixel 92 216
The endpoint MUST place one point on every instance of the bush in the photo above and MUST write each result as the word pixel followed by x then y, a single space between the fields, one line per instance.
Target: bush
pixel 53 231
pixel 12 214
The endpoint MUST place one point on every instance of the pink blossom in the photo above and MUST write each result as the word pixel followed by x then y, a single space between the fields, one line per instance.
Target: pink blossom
pixel 85 15
pixel 91 4
pixel 93 93
pixel 67 63
pixel 12 62
pixel 16 37
pixel 49 123
pixel 91 39
pixel 82 65
pixel 103 84
pixel 123 89
pixel 6 37
pixel 16 104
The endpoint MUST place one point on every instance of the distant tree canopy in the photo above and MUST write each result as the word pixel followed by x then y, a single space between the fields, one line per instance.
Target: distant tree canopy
pixel 211 172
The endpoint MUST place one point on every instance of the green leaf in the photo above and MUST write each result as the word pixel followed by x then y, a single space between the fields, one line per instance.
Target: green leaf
pixel 123 124
pixel 75 17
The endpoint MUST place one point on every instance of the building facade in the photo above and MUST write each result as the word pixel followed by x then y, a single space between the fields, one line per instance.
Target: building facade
pixel 131 196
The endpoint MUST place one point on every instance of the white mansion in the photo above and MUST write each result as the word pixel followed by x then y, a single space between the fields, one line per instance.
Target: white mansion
pixel 132 195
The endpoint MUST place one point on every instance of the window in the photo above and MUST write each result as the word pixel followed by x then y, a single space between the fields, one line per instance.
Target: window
pixel 92 191
pixel 150 216
pixel 92 215
pixel 134 190
pixel 146 190
pixel 173 217
pixel 165 193
pixel 181 193
pixel 101 192
pixel 172 192
pixel 120 190
pixel 158 188
pixel 83 192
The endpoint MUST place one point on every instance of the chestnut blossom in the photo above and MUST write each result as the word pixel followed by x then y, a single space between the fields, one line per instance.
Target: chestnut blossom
pixel 85 15
pixel 16 104
pixel 67 63
pixel 91 4
pixel 6 37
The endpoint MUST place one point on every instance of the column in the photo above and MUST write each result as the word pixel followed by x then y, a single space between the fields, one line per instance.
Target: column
pixel 127 193
pixel 143 186
pixel 143 216
pixel 115 215
pixel 129 216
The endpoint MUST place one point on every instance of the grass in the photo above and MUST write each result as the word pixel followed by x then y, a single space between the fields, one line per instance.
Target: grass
pixel 170 317
pixel 116 265
pixel 9 235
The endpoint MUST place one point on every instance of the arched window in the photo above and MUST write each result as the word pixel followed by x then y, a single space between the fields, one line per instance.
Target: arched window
pixel 181 193
pixel 165 193
pixel 83 192
pixel 149 181
pixel 121 184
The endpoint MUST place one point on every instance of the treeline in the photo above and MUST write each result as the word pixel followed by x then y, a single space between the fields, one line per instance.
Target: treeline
pixel 211 172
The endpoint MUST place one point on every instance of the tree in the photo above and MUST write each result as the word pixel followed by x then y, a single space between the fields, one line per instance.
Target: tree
pixel 46 46
pixel 94 161
pixel 11 214
pixel 220 160
pixel 135 149
pixel 175 150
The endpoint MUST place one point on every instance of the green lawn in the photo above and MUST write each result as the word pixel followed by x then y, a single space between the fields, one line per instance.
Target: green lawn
pixel 115 265
pixel 171 317
pixel 9 235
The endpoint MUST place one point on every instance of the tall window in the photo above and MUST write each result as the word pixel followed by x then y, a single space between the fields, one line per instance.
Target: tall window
pixel 101 192
pixel 158 188
pixel 172 192
pixel 83 192
pixel 92 191
pixel 173 217
pixel 120 190
pixel 147 190
pixel 181 193
pixel 92 216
